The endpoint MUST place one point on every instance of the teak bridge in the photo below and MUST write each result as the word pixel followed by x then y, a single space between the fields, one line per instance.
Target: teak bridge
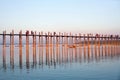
pixel 63 37
pixel 61 47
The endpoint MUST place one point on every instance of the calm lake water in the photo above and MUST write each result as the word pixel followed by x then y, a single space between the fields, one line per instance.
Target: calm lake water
pixel 59 63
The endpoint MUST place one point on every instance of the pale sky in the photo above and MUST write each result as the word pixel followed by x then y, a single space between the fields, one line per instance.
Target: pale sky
pixel 76 16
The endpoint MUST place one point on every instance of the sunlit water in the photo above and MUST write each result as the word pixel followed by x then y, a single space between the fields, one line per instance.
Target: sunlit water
pixel 64 64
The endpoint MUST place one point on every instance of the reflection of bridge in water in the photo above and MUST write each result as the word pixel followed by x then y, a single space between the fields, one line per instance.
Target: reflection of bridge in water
pixel 60 49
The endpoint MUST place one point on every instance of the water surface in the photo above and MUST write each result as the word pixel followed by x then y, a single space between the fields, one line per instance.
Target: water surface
pixel 59 63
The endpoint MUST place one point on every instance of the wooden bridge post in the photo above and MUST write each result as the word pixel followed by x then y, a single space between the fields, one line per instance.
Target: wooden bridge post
pixel 54 34
pixel 99 44
pixel 64 57
pixel 51 48
pixel 48 45
pixel 20 49
pixel 92 44
pixel 35 48
pixel 88 35
pixel 84 47
pixel 72 41
pixel 4 50
pixel 12 51
pixel 4 38
pixel 10 47
pixel 70 44
pixel 75 41
pixel 66 46
pixel 41 47
pixel 105 45
pixel 80 44
pixel 95 47
pixel 118 44
pixel 111 43
pixel 88 49
pixel 80 50
pixel 57 47
pixel 27 49
pixel 108 45
pixel 102 43
pixel 62 47
pixel 114 45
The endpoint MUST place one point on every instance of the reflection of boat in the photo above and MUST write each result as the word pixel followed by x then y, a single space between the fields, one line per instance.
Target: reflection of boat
pixel 72 46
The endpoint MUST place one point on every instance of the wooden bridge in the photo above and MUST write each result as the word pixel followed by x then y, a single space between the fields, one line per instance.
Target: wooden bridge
pixel 61 47
pixel 60 37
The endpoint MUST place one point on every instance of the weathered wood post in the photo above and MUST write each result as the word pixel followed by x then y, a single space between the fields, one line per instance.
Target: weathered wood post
pixel 12 50
pixel 72 41
pixel 75 41
pixel 35 48
pixel 27 49
pixel 88 42
pixel 67 47
pixel 111 43
pixel 4 38
pixel 41 47
pixel 95 48
pixel 84 47
pixel 62 47
pixel 80 50
pixel 114 45
pixel 57 47
pixel 102 43
pixel 10 47
pixel 70 44
pixel 88 49
pixel 4 50
pixel 105 45
pixel 99 44
pixel 92 44
pixel 20 49
pixel 51 46
pixel 108 45
pixel 118 44
pixel 54 58
pixel 80 44
pixel 48 45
